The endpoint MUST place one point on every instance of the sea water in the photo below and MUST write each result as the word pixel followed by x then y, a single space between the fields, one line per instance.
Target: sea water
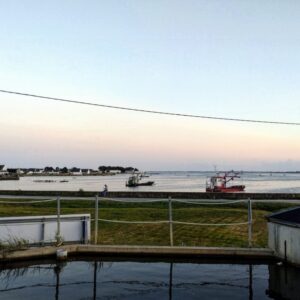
pixel 164 181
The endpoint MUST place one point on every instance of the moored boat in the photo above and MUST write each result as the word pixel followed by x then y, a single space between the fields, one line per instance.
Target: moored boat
pixel 9 177
pixel 134 181
pixel 218 183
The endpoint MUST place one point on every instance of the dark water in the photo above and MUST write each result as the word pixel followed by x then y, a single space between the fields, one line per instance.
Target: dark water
pixel 148 280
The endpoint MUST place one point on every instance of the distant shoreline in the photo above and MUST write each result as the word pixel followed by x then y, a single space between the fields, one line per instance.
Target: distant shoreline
pixel 220 171
pixel 68 175
pixel 157 172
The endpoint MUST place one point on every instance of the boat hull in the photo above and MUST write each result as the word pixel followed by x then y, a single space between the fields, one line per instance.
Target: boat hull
pixel 9 177
pixel 148 183
pixel 230 189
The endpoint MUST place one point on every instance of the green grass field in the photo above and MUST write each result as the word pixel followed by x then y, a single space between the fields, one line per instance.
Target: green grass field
pixel 158 234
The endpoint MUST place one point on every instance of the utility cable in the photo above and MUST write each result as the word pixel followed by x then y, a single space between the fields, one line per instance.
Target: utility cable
pixel 150 111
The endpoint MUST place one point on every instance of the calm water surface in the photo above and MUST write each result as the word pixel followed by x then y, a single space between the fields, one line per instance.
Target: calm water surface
pixel 164 181
pixel 148 280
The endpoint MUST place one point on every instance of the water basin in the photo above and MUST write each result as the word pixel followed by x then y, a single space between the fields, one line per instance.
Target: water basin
pixel 148 279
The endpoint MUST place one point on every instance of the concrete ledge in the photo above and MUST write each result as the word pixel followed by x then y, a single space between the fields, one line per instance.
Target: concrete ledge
pixel 32 253
pixel 136 251
pixel 164 195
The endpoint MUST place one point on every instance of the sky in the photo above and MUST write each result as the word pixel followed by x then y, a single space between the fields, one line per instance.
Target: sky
pixel 235 59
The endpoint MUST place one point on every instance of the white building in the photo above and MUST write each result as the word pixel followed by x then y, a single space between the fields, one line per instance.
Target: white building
pixel 115 171
pixel 86 171
pixel 76 171
pixel 2 170
pixel 284 234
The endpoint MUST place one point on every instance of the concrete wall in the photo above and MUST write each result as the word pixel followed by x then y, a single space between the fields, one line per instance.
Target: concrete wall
pixel 43 229
pixel 165 195
pixel 281 235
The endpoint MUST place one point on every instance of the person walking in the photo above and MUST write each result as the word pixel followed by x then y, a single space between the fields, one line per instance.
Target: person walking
pixel 105 190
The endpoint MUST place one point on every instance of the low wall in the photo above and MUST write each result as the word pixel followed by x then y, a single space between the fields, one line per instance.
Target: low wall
pixel 141 251
pixel 175 195
pixel 43 229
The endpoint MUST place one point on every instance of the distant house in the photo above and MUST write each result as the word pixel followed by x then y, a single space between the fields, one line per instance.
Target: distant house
pixel 51 171
pixel 24 170
pixel 94 172
pixel 284 234
pixel 15 171
pixel 76 171
pixel 115 171
pixel 86 171
pixel 64 170
pixel 32 171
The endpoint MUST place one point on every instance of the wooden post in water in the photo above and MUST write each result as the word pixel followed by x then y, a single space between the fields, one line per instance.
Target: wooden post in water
pixel 171 221
pixel 249 223
pixel 96 219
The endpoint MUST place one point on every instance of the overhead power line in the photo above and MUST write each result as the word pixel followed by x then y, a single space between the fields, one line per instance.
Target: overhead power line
pixel 149 111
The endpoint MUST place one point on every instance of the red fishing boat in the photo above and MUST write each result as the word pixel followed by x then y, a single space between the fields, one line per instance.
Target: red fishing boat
pixel 218 183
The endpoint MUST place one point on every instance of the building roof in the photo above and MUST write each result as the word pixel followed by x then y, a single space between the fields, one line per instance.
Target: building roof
pixel 1 167
pixel 290 217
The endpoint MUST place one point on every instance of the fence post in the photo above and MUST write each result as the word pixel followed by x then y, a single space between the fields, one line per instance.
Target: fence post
pixel 249 223
pixel 171 221
pixel 96 219
pixel 58 238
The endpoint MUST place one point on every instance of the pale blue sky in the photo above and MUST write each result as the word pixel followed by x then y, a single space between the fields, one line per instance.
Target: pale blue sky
pixel 219 58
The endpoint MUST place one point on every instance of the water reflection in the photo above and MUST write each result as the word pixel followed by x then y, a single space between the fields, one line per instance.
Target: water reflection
pixel 284 282
pixel 148 280
pixel 170 280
